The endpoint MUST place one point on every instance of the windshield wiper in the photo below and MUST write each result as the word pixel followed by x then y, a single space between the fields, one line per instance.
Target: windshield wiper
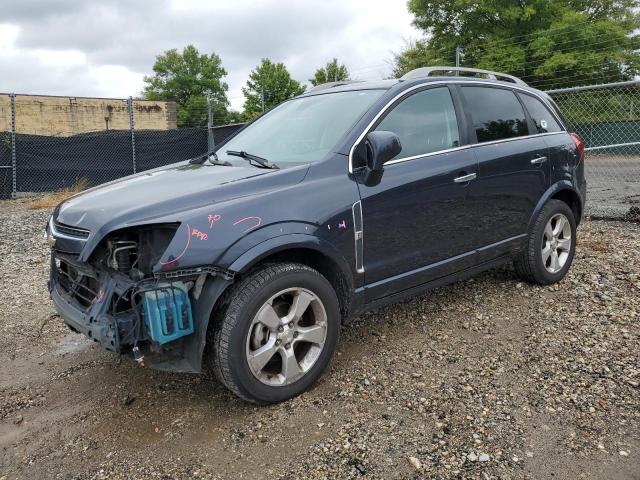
pixel 262 162
pixel 213 160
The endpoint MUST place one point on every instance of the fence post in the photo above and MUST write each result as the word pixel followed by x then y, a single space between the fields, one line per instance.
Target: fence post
pixel 14 166
pixel 211 141
pixel 133 136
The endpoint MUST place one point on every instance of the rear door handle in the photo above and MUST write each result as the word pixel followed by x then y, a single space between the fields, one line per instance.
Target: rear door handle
pixel 538 160
pixel 465 178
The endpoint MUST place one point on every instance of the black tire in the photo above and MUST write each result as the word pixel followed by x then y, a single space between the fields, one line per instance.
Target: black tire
pixel 230 332
pixel 529 264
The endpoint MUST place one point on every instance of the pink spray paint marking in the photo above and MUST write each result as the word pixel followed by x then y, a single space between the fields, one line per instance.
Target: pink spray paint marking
pixel 256 220
pixel 100 297
pixel 173 260
pixel 213 218
pixel 199 235
pixel 342 224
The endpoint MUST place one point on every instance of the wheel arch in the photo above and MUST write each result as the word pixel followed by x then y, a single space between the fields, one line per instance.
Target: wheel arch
pixel 563 191
pixel 307 250
pixel 571 198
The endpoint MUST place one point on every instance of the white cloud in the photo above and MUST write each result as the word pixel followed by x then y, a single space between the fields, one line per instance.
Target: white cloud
pixel 84 48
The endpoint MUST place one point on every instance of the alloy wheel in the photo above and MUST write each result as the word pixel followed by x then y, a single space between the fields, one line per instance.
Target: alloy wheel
pixel 556 243
pixel 286 337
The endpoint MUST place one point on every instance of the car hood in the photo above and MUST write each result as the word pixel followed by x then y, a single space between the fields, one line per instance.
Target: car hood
pixel 164 193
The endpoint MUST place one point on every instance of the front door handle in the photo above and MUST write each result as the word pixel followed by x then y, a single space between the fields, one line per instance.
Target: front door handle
pixel 538 160
pixel 465 178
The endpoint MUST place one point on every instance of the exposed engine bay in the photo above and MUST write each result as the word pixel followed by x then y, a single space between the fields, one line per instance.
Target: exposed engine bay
pixel 116 298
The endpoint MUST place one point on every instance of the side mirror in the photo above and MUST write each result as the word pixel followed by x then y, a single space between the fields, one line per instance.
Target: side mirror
pixel 380 147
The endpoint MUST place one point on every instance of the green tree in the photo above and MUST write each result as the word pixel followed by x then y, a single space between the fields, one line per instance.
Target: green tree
pixel 331 72
pixel 271 80
pixel 189 78
pixel 548 43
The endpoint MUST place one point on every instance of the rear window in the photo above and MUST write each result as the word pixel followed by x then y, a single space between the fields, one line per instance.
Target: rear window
pixel 496 113
pixel 541 116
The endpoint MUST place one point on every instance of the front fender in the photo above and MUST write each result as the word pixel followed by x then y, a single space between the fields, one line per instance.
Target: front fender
pixel 282 242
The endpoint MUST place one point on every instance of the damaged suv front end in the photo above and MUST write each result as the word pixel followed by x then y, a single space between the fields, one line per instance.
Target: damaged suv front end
pixel 135 263
pixel 116 299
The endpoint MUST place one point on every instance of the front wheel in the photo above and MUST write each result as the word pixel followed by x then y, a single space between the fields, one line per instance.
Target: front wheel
pixel 550 247
pixel 278 333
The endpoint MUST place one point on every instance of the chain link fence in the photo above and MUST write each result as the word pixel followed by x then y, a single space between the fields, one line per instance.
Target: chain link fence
pixel 607 117
pixel 50 143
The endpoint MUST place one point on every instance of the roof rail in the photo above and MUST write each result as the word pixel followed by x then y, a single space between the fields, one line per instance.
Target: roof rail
pixel 324 86
pixel 428 72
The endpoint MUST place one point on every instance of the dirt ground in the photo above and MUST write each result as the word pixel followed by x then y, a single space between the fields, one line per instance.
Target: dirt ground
pixel 488 378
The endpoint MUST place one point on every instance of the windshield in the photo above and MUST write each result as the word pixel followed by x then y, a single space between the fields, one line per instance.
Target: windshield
pixel 302 130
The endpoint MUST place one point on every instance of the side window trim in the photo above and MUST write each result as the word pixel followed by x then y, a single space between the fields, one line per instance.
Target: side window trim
pixel 531 125
pixel 470 131
pixel 401 99
pixel 461 114
pixel 382 112
pixel 551 111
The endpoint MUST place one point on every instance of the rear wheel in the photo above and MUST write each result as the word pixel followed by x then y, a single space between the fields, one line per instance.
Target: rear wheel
pixel 278 333
pixel 550 246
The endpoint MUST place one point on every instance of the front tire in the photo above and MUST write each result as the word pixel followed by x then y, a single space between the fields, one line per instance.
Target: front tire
pixel 277 334
pixel 550 247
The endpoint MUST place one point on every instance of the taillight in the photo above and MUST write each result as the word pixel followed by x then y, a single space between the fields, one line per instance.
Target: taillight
pixel 579 144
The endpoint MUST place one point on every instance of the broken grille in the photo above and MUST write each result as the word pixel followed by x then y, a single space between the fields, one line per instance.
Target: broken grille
pixel 82 288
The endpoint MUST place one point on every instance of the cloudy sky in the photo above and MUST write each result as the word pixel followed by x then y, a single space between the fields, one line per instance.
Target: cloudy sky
pixel 104 48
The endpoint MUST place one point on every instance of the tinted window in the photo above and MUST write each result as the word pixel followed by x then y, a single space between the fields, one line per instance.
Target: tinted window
pixel 496 113
pixel 545 123
pixel 425 122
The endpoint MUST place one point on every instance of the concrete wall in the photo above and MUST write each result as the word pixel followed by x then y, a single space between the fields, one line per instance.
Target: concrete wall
pixel 63 116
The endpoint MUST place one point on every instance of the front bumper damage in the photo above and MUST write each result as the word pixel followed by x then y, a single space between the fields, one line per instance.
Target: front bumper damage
pixel 104 305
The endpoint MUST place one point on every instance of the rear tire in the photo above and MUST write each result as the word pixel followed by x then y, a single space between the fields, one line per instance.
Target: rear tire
pixel 550 247
pixel 277 334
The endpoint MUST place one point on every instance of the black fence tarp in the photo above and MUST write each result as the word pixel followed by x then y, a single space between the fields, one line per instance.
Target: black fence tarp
pixel 49 163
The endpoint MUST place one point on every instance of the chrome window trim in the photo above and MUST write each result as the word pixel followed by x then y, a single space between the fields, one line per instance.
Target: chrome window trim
pixel 384 109
pixel 464 147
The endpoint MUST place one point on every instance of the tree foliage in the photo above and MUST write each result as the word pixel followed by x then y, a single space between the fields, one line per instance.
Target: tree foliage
pixel 270 82
pixel 189 78
pixel 331 72
pixel 274 82
pixel 548 43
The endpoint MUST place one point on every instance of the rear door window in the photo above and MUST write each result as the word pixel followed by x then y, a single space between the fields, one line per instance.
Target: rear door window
pixel 496 113
pixel 425 122
pixel 541 116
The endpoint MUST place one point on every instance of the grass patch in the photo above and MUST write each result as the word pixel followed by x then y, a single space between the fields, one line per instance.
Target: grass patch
pixel 51 200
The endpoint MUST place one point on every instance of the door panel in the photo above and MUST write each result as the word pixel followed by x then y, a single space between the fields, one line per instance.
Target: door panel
pixel 507 189
pixel 416 217
pixel 513 167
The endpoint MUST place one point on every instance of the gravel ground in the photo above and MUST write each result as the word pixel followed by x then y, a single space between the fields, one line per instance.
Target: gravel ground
pixel 488 378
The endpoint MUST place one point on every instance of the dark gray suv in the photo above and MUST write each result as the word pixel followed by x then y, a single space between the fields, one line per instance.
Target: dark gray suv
pixel 348 197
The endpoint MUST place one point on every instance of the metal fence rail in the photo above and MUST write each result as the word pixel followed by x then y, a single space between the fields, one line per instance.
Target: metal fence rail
pixel 48 143
pixel 608 119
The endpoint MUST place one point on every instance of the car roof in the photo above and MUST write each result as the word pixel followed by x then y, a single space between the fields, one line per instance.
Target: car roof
pixel 356 85
pixel 388 84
